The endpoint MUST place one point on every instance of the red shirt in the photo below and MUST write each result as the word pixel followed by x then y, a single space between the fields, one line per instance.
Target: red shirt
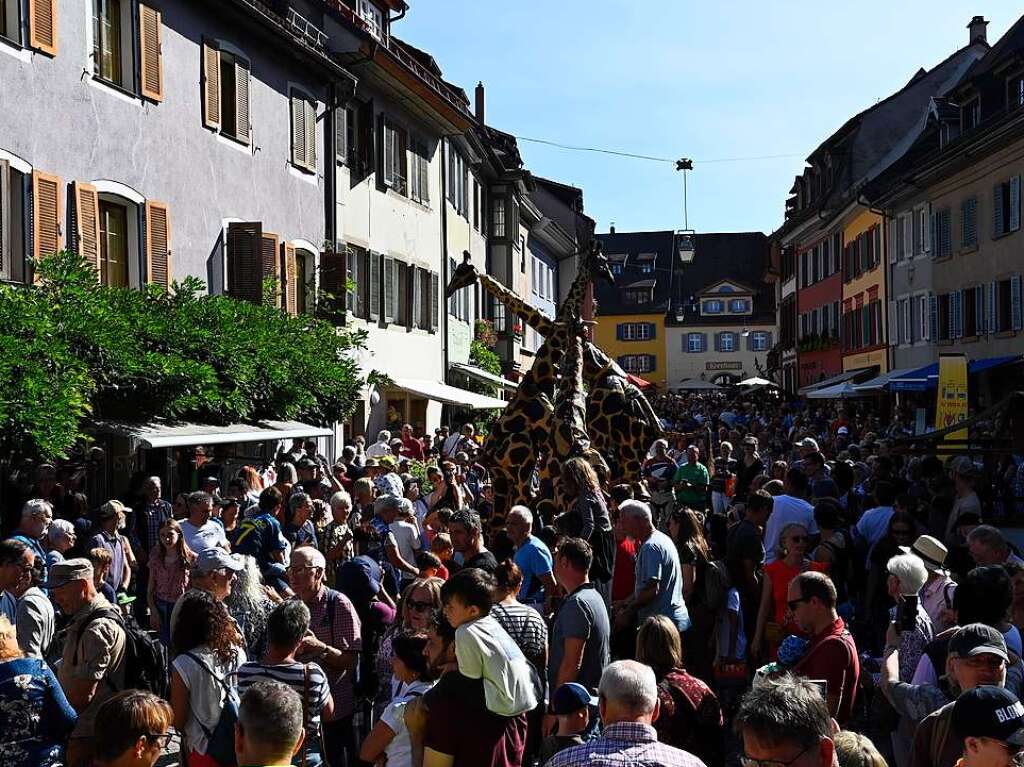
pixel 624 577
pixel 832 656
pixel 412 448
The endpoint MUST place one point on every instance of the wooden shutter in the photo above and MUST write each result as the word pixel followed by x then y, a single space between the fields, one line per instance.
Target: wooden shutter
pixel 211 85
pixel 152 78
pixel 245 273
pixel 298 130
pixel 46 214
pixel 242 100
pixel 158 244
pixel 997 210
pixel 1014 203
pixel 373 294
pixel 291 289
pixel 42 26
pixel 87 223
pixel 390 288
pixel 1016 312
pixel 433 298
pixel 309 109
pixel 270 265
pixel 6 256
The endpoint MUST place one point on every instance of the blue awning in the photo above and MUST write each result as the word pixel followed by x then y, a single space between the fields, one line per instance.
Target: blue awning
pixel 927 377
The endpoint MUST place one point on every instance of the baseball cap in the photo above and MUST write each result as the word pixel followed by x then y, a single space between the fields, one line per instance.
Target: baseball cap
pixel 359 579
pixel 306 463
pixel 111 509
pixel 977 639
pixel 69 570
pixel 212 559
pixel 989 712
pixel 570 697
pixel 809 442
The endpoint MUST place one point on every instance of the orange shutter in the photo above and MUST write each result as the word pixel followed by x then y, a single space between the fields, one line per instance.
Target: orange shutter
pixel 291 289
pixel 42 26
pixel 270 264
pixel 211 86
pixel 149 46
pixel 46 214
pixel 87 223
pixel 245 274
pixel 158 244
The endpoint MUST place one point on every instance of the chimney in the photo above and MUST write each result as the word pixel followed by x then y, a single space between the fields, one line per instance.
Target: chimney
pixel 611 229
pixel 480 100
pixel 977 30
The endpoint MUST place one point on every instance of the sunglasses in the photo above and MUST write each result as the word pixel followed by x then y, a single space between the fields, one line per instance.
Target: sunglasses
pixel 420 607
pixel 163 740
pixel 794 603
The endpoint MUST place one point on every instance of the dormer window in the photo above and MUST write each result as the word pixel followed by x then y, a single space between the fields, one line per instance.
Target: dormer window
pixel 1015 91
pixel 646 268
pixel 616 268
pixel 739 306
pixel 374 18
pixel 970 114
pixel 712 307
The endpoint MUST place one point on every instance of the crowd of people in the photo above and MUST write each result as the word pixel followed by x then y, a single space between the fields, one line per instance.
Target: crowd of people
pixel 785 588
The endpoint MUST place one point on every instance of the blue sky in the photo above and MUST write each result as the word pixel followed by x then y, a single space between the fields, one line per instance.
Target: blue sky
pixel 706 80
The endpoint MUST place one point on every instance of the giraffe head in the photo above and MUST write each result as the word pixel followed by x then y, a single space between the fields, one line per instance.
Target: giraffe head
pixel 463 277
pixel 597 263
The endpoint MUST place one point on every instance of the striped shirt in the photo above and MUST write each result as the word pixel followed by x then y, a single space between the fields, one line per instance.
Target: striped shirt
pixel 527 629
pixel 292 675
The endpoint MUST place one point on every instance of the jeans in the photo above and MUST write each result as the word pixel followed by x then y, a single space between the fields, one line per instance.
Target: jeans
pixel 164 610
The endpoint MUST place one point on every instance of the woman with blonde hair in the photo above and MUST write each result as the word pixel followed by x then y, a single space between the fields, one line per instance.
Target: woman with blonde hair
pixel 691 716
pixel 587 517
pixel 419 599
pixel 35 716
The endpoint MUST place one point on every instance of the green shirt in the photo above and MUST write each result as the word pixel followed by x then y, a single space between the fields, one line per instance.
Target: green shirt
pixel 697 474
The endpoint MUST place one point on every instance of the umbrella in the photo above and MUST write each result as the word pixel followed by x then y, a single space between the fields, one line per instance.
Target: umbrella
pixel 843 390
pixel 755 381
pixel 695 384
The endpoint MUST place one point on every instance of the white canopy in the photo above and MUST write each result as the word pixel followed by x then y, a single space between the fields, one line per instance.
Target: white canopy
pixel 451 395
pixel 482 375
pixel 155 435
pixel 843 390
pixel 695 384
pixel 755 381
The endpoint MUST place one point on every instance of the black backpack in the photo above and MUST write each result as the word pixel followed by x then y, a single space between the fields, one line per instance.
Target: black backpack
pixel 145 658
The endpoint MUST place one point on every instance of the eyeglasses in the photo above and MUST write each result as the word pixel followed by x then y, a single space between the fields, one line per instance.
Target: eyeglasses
pixel 163 740
pixel 420 607
pixel 798 539
pixel 794 603
pixel 747 761
pixel 302 569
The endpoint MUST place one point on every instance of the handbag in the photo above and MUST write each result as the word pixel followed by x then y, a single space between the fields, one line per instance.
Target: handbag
pixel 220 744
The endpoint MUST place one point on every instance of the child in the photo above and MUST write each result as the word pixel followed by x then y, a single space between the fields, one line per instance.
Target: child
pixel 430 565
pixel 441 546
pixel 169 564
pixel 483 649
pixel 571 705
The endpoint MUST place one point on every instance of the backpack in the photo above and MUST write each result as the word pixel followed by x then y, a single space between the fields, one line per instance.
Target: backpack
pixel 220 744
pixel 145 658
pixel 716 584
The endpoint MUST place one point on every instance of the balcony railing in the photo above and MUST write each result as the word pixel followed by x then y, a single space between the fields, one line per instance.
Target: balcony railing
pixel 307 30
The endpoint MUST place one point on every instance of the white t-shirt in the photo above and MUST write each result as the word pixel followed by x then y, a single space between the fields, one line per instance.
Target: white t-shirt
pixel 786 510
pixel 485 651
pixel 399 750
pixel 209 536
pixel 205 694
pixel 407 539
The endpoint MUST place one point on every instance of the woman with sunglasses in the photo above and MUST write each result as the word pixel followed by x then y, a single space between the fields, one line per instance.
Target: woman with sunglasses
pixel 774 621
pixel 135 725
pixel 419 600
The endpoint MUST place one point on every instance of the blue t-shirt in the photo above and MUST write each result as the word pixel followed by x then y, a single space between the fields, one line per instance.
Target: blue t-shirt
pixel 260 537
pixel 658 560
pixel 732 605
pixel 534 559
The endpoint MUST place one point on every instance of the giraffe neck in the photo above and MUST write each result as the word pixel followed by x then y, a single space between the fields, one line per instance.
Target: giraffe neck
pixel 573 302
pixel 533 317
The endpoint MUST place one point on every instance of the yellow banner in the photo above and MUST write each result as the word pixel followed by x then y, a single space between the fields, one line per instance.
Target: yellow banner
pixel 951 407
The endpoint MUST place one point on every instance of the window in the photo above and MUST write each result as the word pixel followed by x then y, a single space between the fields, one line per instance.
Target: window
pixel 112 42
pixel 459 305
pixel 694 343
pixel 498 217
pixel 303 115
pixel 922 230
pixel 945 316
pixel 458 181
pixel 712 307
pixel 970 114
pixel 738 306
pixel 476 204
pixel 635 331
pixel 759 341
pixel 969 301
pixel 922 317
pixel 10 20
pixel 646 268
pixel 969 222
pixel 1006 207
pixel 906 324
pixel 355 297
pixel 396 169
pixel 374 18
pixel 640 295
pixel 1015 91
pixel 113 244
pixel 727 342
pixel 225 92
pixel 1007 311
pixel 13 189
pixel 305 263
pixel 637 363
pixel 616 267
pixel 419 173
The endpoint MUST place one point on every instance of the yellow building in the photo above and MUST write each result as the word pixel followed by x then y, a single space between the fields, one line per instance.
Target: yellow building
pixel 865 319
pixel 636 342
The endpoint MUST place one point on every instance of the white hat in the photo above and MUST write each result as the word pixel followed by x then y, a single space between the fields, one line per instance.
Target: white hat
pixel 930 551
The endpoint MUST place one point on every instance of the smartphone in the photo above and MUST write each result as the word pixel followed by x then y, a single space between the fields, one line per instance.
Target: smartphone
pixel 906 613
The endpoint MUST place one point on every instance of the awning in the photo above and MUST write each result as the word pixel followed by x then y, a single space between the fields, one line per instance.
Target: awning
pixel 451 395
pixel 843 390
pixel 638 382
pixel 482 375
pixel 923 379
pixel 881 383
pixel 695 384
pixel 757 381
pixel 846 375
pixel 154 435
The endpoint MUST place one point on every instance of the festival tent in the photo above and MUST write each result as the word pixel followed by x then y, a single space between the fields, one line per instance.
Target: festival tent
pixel 843 390
pixel 695 384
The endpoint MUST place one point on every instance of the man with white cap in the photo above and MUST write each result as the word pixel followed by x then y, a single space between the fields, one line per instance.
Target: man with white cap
pixel 937 594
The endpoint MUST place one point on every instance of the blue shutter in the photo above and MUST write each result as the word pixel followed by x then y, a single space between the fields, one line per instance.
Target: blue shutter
pixel 933 227
pixel 768 340
pixel 652 363
pixel 619 332
pixel 703 342
pixel 979 310
pixel 997 210
pixel 718 342
pixel 654 330
pixel 1017 321
pixel 993 317
pixel 1015 203
pixel 955 315
pixel 933 318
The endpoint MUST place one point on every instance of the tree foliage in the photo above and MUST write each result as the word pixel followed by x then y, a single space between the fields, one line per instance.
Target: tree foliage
pixel 71 348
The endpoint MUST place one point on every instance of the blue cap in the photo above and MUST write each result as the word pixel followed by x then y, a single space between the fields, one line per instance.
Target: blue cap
pixel 208 560
pixel 359 579
pixel 571 697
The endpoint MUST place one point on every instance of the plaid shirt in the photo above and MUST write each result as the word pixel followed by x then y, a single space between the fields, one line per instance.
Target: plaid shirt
pixel 625 743
pixel 151 517
pixel 343 633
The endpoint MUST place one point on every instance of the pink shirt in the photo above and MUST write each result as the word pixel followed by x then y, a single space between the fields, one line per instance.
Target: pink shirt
pixel 169 580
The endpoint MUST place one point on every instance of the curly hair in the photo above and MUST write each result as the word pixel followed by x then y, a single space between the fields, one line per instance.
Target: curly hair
pixel 202 620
